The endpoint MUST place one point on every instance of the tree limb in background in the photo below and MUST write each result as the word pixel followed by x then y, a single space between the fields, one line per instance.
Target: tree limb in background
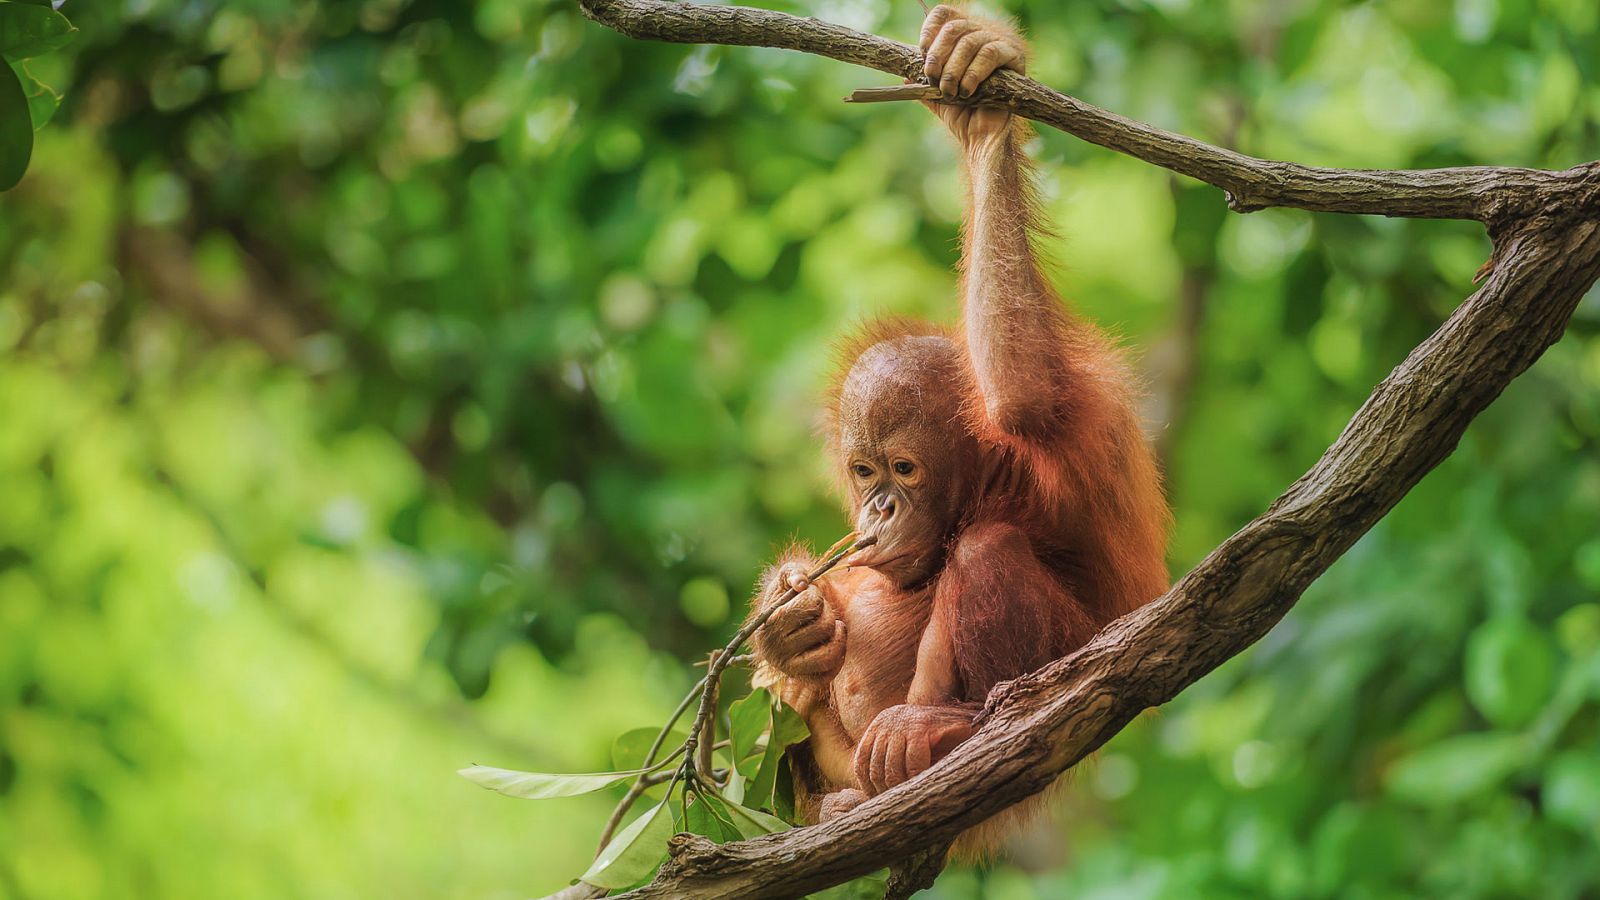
pixel 1485 193
pixel 1546 227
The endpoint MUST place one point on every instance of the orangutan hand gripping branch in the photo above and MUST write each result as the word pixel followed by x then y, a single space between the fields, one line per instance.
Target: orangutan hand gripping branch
pixel 1016 505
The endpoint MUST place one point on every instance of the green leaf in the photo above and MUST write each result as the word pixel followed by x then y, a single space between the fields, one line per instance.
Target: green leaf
pixel 761 787
pixel 1578 629
pixel 1571 792
pixel 1457 768
pixel 635 851
pixel 16 130
pixel 699 817
pixel 542 786
pixel 42 98
pixel 1587 561
pixel 753 822
pixel 1357 841
pixel 783 793
pixel 787 729
pixel 748 719
pixel 736 820
pixel 1510 671
pixel 717 806
pixel 27 30
pixel 735 788
pixel 629 749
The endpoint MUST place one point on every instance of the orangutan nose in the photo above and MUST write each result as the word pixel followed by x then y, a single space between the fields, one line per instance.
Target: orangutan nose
pixel 883 504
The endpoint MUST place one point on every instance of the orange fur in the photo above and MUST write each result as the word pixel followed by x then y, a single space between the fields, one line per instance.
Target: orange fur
pixel 1029 514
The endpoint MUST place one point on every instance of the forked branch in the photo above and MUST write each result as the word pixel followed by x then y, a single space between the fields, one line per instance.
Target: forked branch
pixel 1546 227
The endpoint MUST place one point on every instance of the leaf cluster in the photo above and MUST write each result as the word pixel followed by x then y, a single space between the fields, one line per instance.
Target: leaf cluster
pixel 28 28
pixel 754 794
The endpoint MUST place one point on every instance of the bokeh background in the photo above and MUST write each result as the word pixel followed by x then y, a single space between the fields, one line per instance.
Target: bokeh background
pixel 389 386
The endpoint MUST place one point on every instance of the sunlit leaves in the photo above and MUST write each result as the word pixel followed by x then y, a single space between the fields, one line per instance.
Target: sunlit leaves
pixel 540 785
pixel 603 306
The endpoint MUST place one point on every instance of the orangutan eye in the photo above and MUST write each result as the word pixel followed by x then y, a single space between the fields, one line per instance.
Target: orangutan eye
pixel 862 471
pixel 904 467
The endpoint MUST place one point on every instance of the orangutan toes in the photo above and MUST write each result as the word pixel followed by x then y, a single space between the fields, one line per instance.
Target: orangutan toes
pixel 840 802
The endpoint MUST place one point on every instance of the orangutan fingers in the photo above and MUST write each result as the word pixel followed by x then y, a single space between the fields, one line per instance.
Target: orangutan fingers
pixel 894 763
pixel 933 22
pixel 939 53
pixel 961 57
pixel 863 760
pixel 919 756
pixel 991 57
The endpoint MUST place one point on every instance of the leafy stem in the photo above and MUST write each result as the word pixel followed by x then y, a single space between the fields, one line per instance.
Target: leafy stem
pixel 720 661
pixel 696 767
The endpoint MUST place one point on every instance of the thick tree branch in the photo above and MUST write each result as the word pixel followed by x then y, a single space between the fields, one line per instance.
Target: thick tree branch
pixel 1547 232
pixel 1040 725
pixel 1489 194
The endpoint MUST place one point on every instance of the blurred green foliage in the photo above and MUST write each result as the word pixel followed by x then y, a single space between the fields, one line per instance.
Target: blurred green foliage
pixel 389 386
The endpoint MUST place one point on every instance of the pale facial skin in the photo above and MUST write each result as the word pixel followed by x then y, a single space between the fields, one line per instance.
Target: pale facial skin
pixel 905 453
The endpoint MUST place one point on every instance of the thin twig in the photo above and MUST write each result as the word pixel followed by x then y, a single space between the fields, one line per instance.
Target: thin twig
pixel 841 543
pixel 707 736
pixel 895 92
pixel 743 659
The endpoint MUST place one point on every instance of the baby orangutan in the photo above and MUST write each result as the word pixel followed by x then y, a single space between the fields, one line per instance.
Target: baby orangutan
pixel 1016 505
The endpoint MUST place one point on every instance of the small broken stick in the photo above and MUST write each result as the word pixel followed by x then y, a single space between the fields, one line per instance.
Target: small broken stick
pixel 895 92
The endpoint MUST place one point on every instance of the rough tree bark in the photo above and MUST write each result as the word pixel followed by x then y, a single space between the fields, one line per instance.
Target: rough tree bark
pixel 1546 231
